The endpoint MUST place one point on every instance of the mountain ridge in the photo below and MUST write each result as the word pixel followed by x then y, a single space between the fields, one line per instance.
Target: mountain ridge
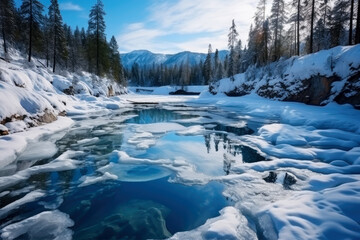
pixel 145 58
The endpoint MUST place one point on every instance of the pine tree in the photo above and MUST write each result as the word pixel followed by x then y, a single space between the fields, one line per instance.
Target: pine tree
pixel 296 17
pixel 32 14
pixel 233 35
pixel 97 29
pixel 47 39
pixel 116 66
pixel 262 32
pixel 218 71
pixel 277 22
pixel 185 74
pixel 7 20
pixel 339 17
pixel 57 33
pixel 207 68
pixel 238 50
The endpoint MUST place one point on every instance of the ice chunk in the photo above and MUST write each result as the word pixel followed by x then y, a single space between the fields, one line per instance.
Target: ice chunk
pixel 46 225
pixel 142 140
pixel 88 180
pixel 38 151
pixel 160 127
pixel 30 197
pixel 193 130
pixel 135 173
pixel 87 141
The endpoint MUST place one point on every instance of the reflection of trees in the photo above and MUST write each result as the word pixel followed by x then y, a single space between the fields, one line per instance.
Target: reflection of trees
pixel 227 164
pixel 207 138
pixel 156 115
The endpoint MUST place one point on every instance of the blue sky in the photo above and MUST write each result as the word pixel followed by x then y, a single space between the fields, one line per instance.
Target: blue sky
pixel 164 26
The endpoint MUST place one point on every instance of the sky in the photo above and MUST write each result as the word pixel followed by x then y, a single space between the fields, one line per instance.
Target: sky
pixel 164 26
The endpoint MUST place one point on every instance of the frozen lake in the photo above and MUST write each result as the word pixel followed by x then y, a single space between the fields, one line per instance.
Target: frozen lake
pixel 106 196
pixel 149 171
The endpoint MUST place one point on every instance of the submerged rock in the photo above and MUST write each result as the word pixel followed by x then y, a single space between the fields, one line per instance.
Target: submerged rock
pixel 136 219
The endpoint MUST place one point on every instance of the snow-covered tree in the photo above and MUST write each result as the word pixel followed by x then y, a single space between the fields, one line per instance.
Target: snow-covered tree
pixel 31 10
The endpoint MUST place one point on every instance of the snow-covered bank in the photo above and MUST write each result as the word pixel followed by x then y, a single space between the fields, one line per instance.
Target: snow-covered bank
pixel 31 94
pixel 319 78
pixel 33 103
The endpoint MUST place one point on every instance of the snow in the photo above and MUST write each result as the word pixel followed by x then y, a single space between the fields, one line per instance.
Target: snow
pixel 46 225
pixel 229 225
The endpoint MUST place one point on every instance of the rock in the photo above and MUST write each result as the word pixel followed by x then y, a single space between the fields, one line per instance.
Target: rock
pixel 289 180
pixel 3 130
pixel 314 90
pixel 351 91
pixel 47 117
pixel 271 178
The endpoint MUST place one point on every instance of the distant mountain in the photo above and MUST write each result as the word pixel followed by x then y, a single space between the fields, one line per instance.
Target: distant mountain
pixel 147 58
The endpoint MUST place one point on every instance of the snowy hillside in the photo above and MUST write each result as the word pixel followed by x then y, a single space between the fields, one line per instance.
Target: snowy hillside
pixel 31 95
pixel 147 58
pixel 319 78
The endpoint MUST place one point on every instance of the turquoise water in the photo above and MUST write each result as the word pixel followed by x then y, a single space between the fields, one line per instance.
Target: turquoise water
pixel 141 203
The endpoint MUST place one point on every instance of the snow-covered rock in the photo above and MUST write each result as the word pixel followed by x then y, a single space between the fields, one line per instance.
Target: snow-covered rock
pixel 319 78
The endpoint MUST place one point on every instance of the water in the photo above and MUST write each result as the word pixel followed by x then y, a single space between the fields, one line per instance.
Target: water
pixel 141 202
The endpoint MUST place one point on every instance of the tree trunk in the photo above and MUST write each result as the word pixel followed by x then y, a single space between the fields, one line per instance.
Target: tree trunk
pixel 298 30
pixel 357 35
pixel 351 22
pixel 312 26
pixel 30 30
pixel 97 42
pixel 4 37
pixel 54 57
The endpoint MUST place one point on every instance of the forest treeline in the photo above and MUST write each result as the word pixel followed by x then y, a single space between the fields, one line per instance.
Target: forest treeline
pixel 293 28
pixel 45 36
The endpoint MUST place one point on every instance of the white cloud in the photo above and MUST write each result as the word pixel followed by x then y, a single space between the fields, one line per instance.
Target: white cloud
pixel 207 20
pixel 70 7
